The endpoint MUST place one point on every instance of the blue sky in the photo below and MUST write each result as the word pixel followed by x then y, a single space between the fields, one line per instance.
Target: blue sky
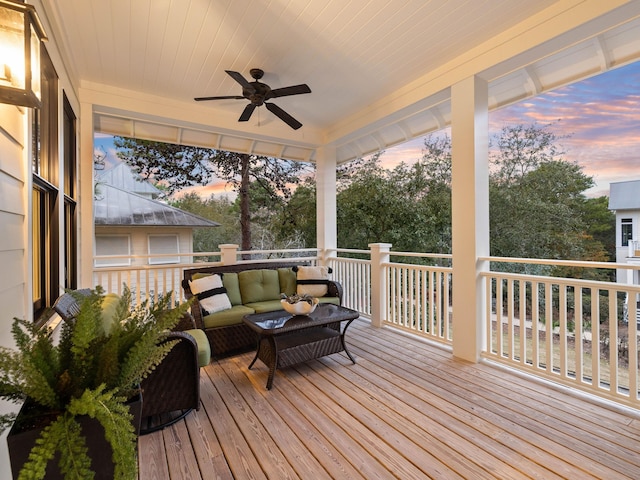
pixel 600 116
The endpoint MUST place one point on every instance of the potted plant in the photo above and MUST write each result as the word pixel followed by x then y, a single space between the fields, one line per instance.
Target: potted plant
pixel 88 376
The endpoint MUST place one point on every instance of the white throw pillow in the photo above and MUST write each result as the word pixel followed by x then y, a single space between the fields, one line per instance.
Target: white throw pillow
pixel 313 281
pixel 211 294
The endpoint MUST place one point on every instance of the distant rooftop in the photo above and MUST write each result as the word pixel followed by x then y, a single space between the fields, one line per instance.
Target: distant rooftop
pixel 625 195
pixel 122 176
pixel 116 207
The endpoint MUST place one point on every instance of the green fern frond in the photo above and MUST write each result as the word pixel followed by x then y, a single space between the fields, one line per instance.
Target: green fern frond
pixel 113 414
pixel 43 451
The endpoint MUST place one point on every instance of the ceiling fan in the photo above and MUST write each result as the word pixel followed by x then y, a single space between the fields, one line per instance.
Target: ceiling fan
pixel 258 93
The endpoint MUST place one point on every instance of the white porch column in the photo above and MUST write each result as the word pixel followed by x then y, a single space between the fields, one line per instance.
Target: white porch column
pixel 379 256
pixel 85 204
pixel 470 213
pixel 326 210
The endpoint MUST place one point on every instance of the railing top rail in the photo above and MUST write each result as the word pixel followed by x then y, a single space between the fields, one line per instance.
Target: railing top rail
pixel 284 250
pixel 563 263
pixel 422 255
pixel 349 250
pixel 413 266
pixel 349 260
pixel 573 282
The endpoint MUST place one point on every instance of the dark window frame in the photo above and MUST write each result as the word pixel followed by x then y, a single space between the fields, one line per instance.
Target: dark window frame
pixel 626 231
pixel 45 177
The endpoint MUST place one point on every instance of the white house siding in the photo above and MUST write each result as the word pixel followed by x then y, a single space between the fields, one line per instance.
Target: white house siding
pixel 13 208
pixel 139 240
pixel 13 238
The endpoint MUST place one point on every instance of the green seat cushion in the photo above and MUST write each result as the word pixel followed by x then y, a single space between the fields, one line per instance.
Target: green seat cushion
pixel 204 349
pixel 109 307
pixel 227 317
pixel 266 306
pixel 259 285
pixel 334 300
pixel 287 279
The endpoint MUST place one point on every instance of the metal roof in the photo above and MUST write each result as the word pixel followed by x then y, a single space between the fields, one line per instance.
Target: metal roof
pixel 624 195
pixel 116 207
pixel 122 176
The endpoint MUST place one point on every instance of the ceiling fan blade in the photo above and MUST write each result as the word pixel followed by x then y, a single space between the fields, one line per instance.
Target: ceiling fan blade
pixel 284 116
pixel 246 113
pixel 227 97
pixel 237 76
pixel 293 90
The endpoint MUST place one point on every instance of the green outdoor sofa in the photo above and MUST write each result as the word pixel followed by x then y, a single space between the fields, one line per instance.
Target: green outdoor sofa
pixel 250 288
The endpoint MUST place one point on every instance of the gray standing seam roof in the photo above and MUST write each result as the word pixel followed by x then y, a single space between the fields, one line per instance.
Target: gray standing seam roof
pixel 624 195
pixel 116 207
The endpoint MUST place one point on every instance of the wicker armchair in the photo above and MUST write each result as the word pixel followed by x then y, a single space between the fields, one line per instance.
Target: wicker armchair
pixel 172 390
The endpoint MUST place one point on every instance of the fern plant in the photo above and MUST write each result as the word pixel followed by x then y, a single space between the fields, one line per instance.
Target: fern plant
pixel 93 370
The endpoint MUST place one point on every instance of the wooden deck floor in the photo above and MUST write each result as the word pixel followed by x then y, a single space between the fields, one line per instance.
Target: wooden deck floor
pixel 406 410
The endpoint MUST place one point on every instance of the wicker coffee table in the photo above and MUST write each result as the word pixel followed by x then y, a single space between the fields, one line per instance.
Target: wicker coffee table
pixel 285 340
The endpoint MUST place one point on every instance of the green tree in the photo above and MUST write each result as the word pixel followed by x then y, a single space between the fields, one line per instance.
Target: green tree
pixel 220 210
pixel 181 166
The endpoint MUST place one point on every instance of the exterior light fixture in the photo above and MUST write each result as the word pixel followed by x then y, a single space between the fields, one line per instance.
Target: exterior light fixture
pixel 20 35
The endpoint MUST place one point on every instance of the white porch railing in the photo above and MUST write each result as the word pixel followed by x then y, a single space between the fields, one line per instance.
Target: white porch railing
pixel 571 331
pixel 591 344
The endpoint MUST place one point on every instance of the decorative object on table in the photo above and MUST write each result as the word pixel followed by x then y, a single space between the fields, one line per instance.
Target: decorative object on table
pixel 103 354
pixel 299 304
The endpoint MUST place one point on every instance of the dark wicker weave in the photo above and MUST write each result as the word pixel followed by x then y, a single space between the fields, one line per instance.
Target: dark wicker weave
pixel 235 338
pixel 172 390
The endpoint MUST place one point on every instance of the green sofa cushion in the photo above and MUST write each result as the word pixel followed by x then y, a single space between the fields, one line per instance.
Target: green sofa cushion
pixel 227 317
pixel 230 282
pixel 287 279
pixel 334 300
pixel 204 349
pixel 266 306
pixel 259 285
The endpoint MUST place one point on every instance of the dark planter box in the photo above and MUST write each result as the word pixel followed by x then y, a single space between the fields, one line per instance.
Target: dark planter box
pixel 20 441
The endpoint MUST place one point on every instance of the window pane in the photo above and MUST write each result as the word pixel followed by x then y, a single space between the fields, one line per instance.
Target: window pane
pixel 163 244
pixel 627 231
pixel 112 245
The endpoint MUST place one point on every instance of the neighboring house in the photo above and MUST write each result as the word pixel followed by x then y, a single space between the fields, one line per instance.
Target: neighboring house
pixel 130 225
pixel 624 199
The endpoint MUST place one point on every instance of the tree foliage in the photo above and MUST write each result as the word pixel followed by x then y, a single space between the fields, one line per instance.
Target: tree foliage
pixel 181 166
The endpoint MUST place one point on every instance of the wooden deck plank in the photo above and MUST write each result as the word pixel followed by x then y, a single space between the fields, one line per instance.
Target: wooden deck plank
pixel 300 441
pixel 206 446
pixel 326 422
pixel 516 424
pixel 152 458
pixel 242 462
pixel 180 455
pixel 406 409
pixel 462 447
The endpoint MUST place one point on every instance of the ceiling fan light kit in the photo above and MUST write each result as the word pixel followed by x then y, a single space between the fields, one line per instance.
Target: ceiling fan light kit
pixel 258 93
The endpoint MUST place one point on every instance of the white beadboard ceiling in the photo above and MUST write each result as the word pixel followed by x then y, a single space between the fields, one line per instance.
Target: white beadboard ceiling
pixel 378 69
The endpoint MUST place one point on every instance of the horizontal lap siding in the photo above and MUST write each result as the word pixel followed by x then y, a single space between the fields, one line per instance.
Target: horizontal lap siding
pixel 12 239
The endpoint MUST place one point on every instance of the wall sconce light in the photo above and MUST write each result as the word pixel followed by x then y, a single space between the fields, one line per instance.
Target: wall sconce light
pixel 20 35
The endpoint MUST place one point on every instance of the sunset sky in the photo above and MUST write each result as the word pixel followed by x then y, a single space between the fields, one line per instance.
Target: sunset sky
pixel 600 115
